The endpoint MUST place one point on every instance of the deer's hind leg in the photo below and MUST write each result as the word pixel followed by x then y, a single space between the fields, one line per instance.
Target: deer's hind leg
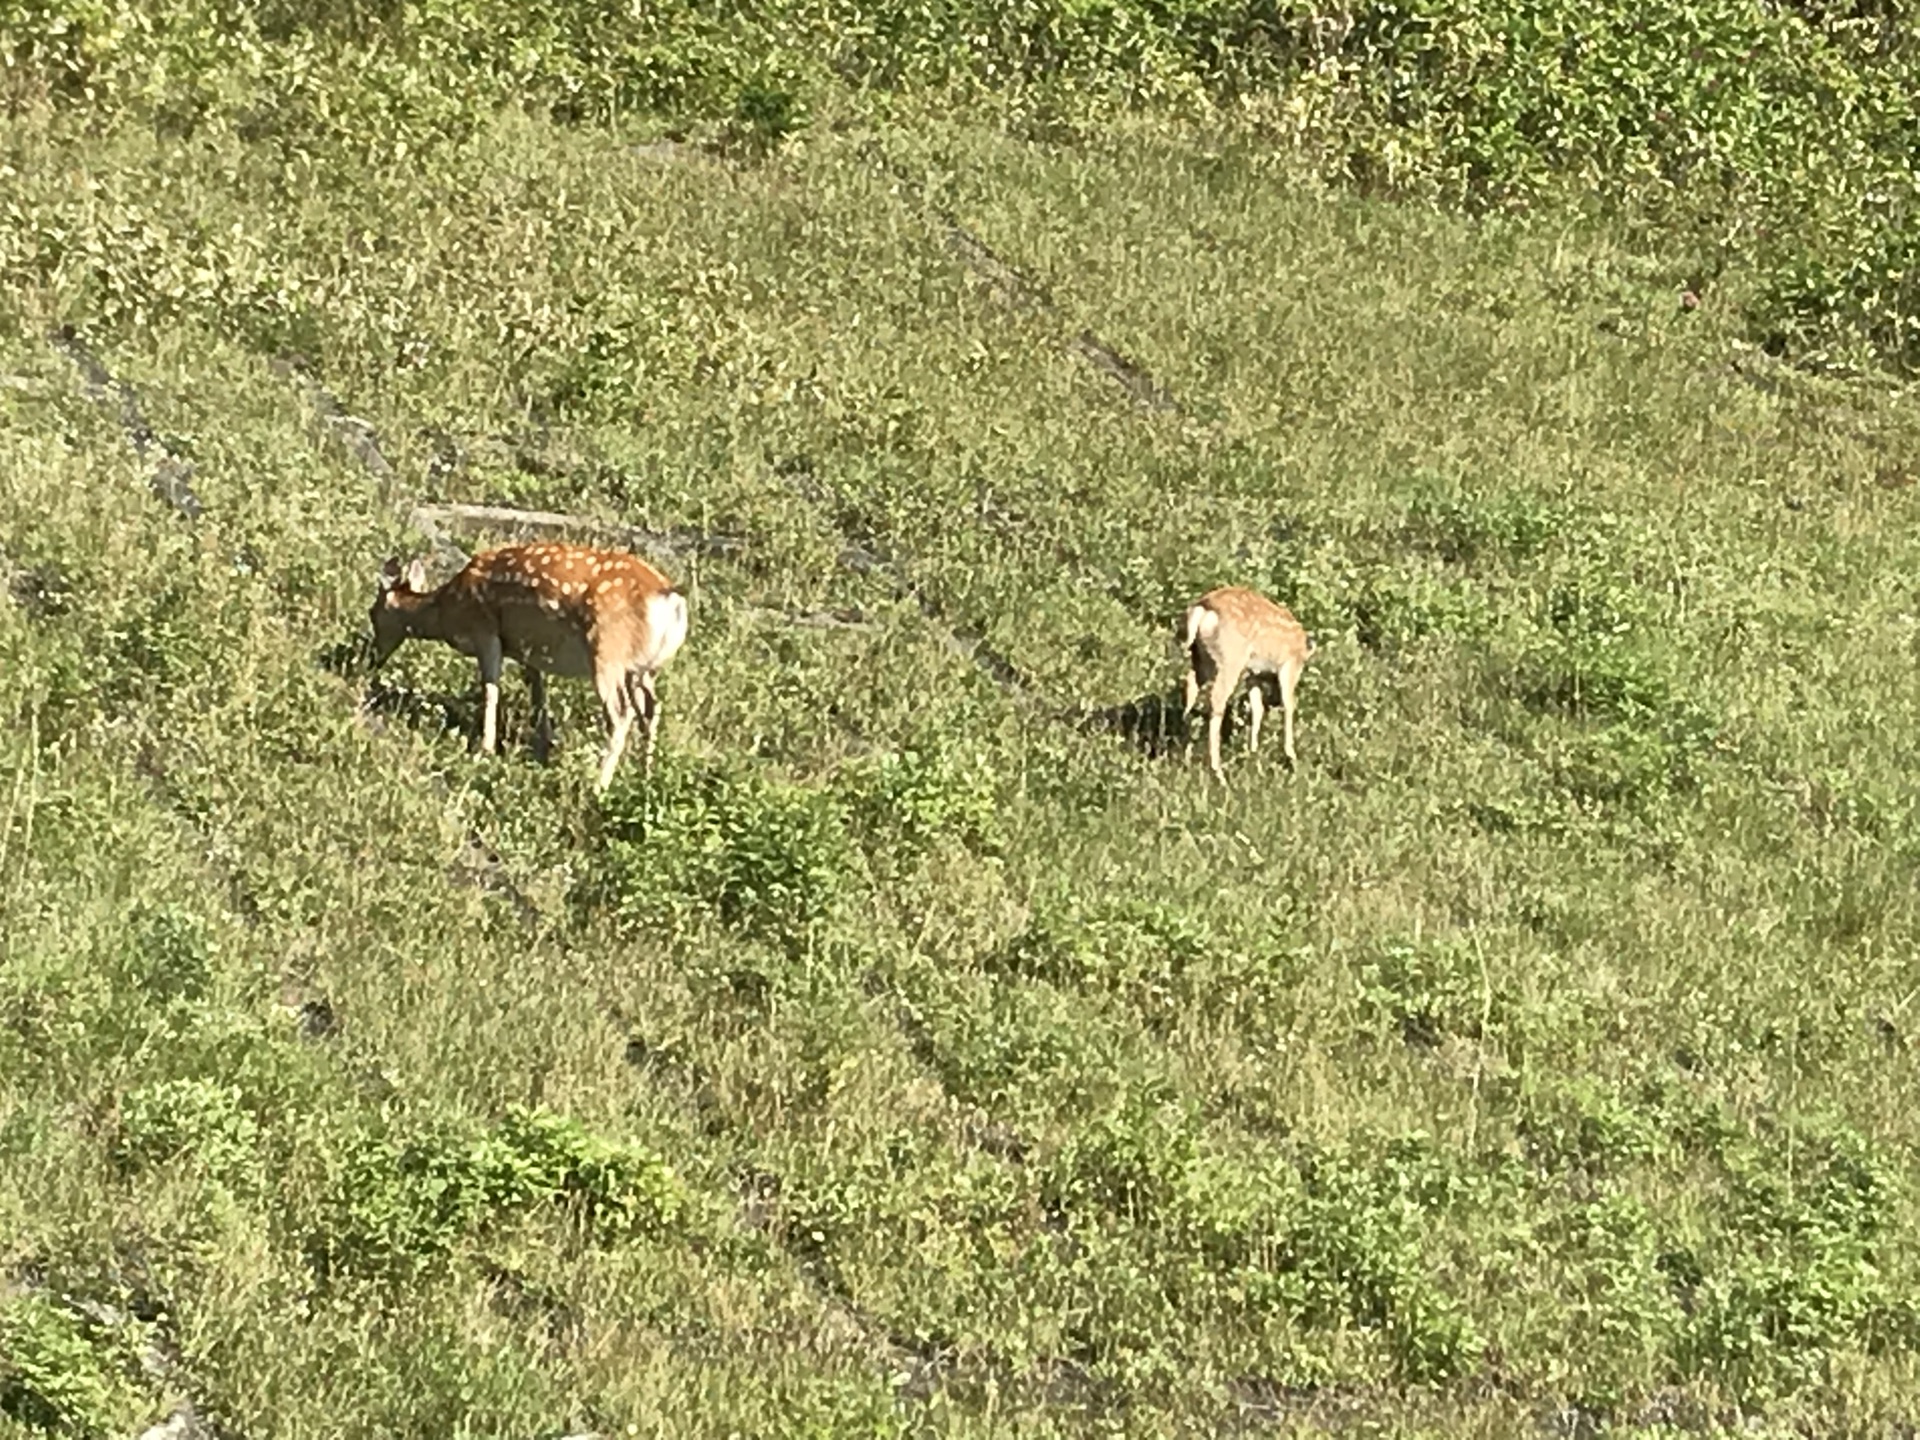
pixel 542 717
pixel 1289 681
pixel 611 682
pixel 646 703
pixel 1218 698
pixel 1200 672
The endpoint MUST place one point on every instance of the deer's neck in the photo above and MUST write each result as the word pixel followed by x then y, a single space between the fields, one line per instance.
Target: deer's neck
pixel 427 615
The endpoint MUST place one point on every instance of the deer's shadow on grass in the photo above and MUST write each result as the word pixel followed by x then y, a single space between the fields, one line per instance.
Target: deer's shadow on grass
pixel 1155 723
pixel 1152 723
pixel 349 659
pixel 429 712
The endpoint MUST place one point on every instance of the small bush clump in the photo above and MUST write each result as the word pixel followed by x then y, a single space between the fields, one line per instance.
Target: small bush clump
pixel 1428 991
pixel 766 857
pixel 56 1376
pixel 906 803
pixel 199 1122
pixel 404 1200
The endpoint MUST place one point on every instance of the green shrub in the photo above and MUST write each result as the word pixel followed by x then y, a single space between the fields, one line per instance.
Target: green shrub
pixel 615 1187
pixel 1629 732
pixel 767 110
pixel 53 1377
pixel 1506 526
pixel 1586 663
pixel 1428 991
pixel 1364 585
pixel 1797 1273
pixel 588 62
pixel 170 953
pixel 1586 1124
pixel 768 858
pixel 200 1122
pixel 1132 1160
pixel 1333 1238
pixel 403 1201
pixel 1140 948
pixel 172 57
pixel 1791 132
pixel 1022 1051
pixel 904 804
pixel 1851 304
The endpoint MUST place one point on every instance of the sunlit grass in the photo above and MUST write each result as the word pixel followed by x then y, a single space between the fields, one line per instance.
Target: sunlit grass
pixel 1540 1046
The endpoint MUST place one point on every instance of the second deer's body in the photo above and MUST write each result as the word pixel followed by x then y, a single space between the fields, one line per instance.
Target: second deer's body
pixel 557 609
pixel 1231 632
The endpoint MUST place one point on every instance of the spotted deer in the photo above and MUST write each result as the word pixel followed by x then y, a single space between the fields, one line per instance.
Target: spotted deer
pixel 557 610
pixel 1232 632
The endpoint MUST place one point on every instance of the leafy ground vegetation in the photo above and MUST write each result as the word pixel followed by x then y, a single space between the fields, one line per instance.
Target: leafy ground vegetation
pixel 927 1047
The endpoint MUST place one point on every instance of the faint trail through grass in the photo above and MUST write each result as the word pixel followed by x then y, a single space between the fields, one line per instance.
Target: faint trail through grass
pixel 169 476
pixel 1017 288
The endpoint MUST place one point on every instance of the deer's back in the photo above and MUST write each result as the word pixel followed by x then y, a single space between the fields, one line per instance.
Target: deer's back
pixel 559 607
pixel 1264 635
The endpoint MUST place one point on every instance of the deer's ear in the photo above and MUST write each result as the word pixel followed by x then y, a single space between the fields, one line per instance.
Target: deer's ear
pixel 417 575
pixel 390 574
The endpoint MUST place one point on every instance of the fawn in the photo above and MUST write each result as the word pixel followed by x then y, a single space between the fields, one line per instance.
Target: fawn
pixel 557 609
pixel 1232 632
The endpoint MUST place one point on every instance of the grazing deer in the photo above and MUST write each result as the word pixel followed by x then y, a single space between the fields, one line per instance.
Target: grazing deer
pixel 557 609
pixel 1233 632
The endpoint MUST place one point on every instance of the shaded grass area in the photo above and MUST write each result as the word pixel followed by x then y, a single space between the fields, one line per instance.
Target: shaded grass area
pixel 907 1056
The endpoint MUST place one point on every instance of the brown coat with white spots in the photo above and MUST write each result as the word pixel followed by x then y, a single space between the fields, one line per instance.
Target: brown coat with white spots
pixel 1231 632
pixel 556 609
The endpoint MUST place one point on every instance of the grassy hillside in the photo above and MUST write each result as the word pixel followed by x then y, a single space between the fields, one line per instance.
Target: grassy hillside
pixel 929 1048
pixel 1777 142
